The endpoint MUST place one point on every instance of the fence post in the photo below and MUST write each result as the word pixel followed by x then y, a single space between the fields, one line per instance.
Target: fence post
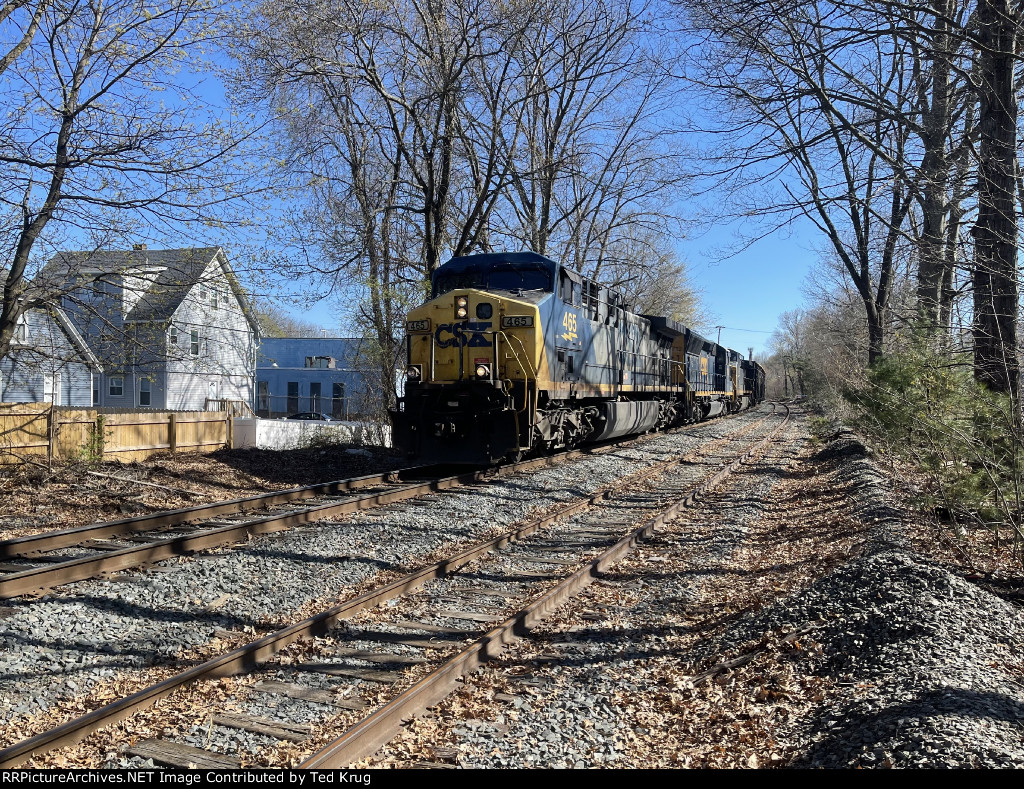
pixel 172 431
pixel 101 435
pixel 229 430
pixel 49 435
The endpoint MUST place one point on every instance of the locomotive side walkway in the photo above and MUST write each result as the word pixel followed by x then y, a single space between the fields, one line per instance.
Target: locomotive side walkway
pixel 786 621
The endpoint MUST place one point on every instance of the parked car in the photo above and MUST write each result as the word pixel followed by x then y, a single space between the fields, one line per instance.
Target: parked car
pixel 311 416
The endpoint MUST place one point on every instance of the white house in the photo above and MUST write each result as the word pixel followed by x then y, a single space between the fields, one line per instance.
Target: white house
pixel 49 361
pixel 172 327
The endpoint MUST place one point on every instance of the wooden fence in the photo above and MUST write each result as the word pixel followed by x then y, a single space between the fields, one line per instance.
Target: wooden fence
pixel 43 432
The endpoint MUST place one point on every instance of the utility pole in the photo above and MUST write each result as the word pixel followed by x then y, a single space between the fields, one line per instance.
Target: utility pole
pixel 719 334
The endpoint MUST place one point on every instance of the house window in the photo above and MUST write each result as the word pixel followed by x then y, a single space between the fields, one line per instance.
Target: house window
pixel 96 290
pixel 95 392
pixel 263 389
pixel 320 362
pixel 21 329
pixel 293 397
pixel 213 297
pixel 193 345
pixel 203 295
pixel 116 386
pixel 144 391
pixel 173 335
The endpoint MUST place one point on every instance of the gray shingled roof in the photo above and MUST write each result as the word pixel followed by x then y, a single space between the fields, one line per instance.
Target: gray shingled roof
pixel 180 271
pixel 64 265
pixel 169 289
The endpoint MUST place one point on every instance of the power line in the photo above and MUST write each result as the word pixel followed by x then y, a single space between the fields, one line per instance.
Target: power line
pixel 752 331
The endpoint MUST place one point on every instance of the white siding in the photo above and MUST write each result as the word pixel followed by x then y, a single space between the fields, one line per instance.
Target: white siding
pixel 179 379
pixel 226 347
pixel 46 361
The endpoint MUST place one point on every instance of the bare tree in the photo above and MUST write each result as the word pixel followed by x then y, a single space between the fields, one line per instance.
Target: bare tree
pixel 422 130
pixel 594 162
pixel 817 96
pixel 275 322
pixel 25 16
pixel 101 139
pixel 943 121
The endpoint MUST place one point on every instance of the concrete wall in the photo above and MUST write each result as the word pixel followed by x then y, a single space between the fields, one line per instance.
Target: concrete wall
pixel 249 433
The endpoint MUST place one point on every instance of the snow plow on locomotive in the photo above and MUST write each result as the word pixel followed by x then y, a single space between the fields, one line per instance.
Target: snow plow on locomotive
pixel 515 354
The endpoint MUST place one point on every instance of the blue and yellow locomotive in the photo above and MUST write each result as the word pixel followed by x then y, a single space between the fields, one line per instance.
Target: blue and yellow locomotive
pixel 515 354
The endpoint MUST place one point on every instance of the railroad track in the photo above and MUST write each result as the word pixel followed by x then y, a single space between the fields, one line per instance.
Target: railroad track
pixel 531 570
pixel 36 563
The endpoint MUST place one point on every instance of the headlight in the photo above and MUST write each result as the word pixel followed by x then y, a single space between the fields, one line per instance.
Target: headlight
pixel 483 371
pixel 413 373
pixel 461 306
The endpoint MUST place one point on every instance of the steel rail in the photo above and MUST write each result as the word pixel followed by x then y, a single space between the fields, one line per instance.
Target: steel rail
pixel 24 547
pixel 368 735
pixel 48 576
pixel 19 547
pixel 249 656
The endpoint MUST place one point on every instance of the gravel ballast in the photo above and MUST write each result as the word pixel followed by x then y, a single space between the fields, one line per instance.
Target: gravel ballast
pixel 81 637
pixel 783 621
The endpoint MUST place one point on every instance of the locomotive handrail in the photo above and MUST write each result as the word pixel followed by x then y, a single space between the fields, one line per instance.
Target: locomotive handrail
pixel 519 340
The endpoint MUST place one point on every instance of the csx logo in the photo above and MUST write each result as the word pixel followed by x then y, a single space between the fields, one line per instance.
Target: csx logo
pixel 467 333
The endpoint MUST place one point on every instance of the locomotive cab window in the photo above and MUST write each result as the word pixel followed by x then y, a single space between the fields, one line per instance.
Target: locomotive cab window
pixel 591 291
pixel 513 279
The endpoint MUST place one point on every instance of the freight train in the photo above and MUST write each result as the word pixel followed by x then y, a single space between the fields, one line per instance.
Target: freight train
pixel 515 354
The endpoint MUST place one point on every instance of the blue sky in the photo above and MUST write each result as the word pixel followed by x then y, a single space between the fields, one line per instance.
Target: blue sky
pixel 749 290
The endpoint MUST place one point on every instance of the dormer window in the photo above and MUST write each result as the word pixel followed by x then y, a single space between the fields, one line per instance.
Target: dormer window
pixel 96 290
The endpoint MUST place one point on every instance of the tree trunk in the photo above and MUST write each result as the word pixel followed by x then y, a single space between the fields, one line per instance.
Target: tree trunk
pixel 935 172
pixel 876 337
pixel 995 232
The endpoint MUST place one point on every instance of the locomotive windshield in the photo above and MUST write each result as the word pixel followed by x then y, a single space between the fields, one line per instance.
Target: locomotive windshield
pixel 505 278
